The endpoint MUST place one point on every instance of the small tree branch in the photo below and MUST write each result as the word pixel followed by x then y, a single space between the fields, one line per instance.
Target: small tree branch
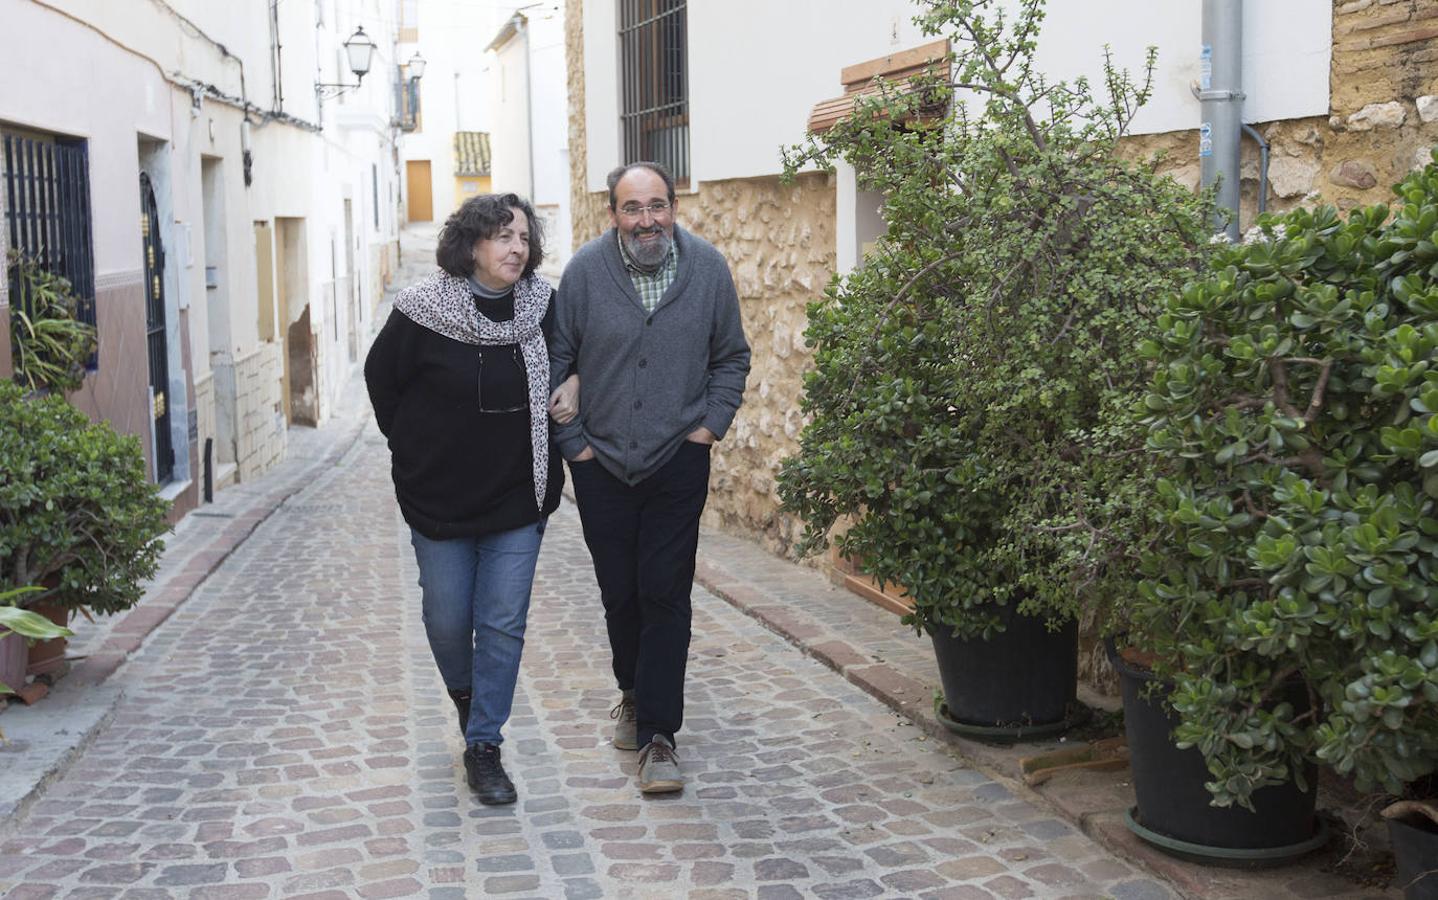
pixel 1315 404
pixel 1279 370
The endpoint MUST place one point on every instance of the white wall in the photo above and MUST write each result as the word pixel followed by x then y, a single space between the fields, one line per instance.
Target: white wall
pixel 94 94
pixel 509 127
pixel 118 73
pixel 752 88
pixel 529 133
pixel 454 93
pixel 550 67
pixel 1287 48
pixel 601 91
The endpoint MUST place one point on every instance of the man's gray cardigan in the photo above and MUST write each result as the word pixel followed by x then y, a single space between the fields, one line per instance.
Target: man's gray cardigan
pixel 647 380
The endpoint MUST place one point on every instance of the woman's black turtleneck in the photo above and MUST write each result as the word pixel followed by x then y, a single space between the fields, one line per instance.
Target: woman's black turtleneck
pixel 459 470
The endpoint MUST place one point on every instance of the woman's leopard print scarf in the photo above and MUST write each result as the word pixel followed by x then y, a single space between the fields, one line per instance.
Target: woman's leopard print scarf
pixel 444 304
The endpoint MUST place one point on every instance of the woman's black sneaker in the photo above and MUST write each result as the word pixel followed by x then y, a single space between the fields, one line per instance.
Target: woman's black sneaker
pixel 486 775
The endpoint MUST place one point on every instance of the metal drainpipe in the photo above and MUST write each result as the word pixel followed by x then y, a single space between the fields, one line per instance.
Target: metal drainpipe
pixel 529 103
pixel 1221 100
pixel 1262 166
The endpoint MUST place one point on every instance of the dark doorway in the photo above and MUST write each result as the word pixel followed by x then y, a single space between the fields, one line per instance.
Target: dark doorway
pixel 155 331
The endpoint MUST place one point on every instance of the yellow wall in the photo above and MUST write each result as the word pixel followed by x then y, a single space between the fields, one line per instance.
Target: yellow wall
pixel 464 188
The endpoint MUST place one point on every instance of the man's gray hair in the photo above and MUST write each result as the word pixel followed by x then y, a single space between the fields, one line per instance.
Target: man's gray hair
pixel 656 168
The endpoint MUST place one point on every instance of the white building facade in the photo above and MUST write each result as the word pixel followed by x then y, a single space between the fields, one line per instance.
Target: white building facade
pixel 530 123
pixel 239 227
pixel 452 97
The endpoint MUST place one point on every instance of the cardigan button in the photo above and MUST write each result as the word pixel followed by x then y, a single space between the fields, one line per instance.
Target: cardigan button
pixel 638 404
pixel 643 363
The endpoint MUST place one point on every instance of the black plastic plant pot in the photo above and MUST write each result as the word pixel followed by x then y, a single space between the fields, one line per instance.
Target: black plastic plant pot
pixel 1173 809
pixel 1415 846
pixel 1019 685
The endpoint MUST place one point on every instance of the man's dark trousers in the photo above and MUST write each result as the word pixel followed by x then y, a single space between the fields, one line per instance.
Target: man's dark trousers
pixel 643 538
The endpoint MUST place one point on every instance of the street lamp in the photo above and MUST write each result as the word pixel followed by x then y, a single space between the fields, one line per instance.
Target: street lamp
pixel 360 50
pixel 415 66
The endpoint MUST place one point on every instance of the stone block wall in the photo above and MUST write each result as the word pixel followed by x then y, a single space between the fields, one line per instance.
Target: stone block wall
pixel 260 434
pixel 779 241
pixel 204 400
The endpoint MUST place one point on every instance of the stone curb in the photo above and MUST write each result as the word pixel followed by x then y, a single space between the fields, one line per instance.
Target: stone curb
pixel 906 696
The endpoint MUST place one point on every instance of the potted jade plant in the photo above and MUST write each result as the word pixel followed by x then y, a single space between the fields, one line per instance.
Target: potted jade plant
pixel 78 517
pixel 969 404
pixel 1291 609
pixel 18 629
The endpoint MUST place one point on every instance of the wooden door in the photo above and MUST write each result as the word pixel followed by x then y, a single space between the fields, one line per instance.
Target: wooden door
pixel 421 195
pixel 265 279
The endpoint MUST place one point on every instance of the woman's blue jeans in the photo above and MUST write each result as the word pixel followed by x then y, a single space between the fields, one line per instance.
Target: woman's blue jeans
pixel 476 600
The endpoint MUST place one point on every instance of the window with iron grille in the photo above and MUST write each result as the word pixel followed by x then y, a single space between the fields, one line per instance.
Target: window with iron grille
pixel 47 213
pixel 654 69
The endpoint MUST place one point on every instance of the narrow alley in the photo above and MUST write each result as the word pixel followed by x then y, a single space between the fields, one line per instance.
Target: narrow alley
pixel 285 733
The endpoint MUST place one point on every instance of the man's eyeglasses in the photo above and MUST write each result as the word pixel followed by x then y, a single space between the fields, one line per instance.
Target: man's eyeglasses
pixel 656 209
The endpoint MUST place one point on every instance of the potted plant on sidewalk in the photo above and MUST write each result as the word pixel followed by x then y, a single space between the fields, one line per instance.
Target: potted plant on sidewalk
pixel 78 517
pixel 18 629
pixel 1292 608
pixel 973 376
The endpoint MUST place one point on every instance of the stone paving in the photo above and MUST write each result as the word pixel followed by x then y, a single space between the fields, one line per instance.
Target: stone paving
pixel 872 650
pixel 284 733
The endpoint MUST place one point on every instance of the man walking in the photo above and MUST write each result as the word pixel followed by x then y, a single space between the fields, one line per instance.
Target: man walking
pixel 647 316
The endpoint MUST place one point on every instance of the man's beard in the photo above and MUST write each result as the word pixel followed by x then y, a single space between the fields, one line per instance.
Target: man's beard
pixel 649 254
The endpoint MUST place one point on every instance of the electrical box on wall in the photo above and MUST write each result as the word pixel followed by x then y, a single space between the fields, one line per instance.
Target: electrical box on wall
pixel 183 244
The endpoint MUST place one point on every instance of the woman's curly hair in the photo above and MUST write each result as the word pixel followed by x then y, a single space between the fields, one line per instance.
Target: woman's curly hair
pixel 480 218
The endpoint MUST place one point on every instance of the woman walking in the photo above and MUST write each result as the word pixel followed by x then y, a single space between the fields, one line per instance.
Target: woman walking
pixel 459 380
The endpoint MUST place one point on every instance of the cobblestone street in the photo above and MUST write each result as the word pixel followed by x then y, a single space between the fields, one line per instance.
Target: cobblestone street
pixel 285 733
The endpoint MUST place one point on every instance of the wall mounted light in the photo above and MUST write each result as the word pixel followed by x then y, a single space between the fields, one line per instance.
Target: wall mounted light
pixel 360 51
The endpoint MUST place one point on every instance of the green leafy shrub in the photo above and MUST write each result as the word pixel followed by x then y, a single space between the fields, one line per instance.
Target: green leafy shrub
pixel 974 377
pixel 77 515
pixel 1294 402
pixel 49 346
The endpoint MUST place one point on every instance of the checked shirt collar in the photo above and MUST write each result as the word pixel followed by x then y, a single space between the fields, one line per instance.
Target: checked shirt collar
pixel 650 285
